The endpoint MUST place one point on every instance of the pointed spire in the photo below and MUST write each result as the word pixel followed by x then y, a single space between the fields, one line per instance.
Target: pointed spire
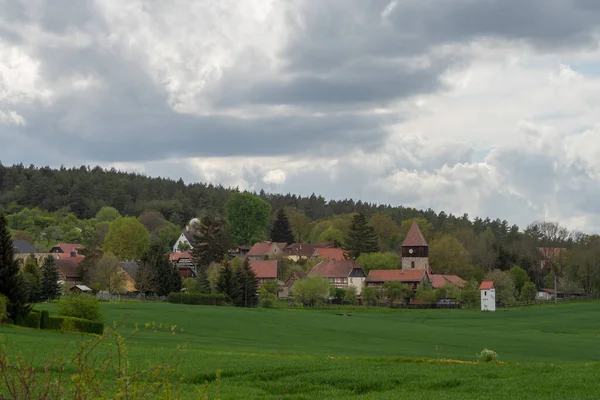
pixel 414 237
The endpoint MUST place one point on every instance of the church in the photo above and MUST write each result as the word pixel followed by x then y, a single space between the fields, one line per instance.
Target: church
pixel 415 266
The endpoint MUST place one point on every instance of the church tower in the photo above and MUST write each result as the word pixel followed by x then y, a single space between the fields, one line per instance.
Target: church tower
pixel 415 251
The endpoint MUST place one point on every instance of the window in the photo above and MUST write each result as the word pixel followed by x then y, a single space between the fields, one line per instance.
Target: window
pixel 412 264
pixel 485 293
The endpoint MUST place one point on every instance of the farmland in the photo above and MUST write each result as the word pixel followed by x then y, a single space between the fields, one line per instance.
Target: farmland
pixel 548 351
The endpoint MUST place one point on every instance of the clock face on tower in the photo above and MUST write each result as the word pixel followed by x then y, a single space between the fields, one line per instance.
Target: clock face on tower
pixel 410 251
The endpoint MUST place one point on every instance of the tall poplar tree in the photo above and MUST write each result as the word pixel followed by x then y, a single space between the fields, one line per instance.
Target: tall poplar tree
pixel 362 238
pixel 281 232
pixel 12 283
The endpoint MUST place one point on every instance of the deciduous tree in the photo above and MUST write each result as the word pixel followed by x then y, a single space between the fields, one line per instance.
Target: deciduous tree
pixel 370 261
pixel 311 291
pixel 109 274
pixel 248 217
pixel 127 239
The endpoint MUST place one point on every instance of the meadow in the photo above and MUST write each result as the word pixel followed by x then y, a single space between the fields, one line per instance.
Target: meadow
pixel 548 352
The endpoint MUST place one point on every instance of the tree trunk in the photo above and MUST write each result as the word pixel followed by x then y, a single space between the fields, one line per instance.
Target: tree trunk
pixel 555 291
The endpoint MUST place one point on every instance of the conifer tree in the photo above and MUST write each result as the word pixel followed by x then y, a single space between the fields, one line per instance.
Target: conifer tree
pixel 212 242
pixel 203 282
pixel 362 238
pixel 226 282
pixel 49 288
pixel 12 284
pixel 245 292
pixel 33 276
pixel 166 275
pixel 281 232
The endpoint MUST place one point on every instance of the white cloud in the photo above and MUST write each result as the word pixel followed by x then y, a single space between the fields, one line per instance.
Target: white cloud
pixel 274 176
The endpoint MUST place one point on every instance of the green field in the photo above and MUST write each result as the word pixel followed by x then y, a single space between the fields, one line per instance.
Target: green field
pixel 549 351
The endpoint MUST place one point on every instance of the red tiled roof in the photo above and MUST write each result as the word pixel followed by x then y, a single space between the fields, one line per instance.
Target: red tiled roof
pixel 303 249
pixel 388 275
pixel 68 268
pixel 414 237
pixel 67 249
pixel 486 285
pixel 264 268
pixel 175 257
pixel 334 269
pixel 441 280
pixel 330 254
pixel 260 249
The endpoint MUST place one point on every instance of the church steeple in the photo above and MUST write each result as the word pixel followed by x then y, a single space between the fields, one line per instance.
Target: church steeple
pixel 415 251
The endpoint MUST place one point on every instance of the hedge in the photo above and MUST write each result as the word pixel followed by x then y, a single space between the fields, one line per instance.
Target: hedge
pixel 197 299
pixel 44 320
pixel 81 325
pixel 31 320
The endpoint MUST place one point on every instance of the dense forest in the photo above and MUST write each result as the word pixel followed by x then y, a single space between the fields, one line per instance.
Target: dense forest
pixel 70 204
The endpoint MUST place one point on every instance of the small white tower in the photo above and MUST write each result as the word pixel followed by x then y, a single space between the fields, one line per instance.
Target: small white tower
pixel 488 296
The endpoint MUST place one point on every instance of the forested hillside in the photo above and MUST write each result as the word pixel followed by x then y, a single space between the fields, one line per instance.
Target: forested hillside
pixel 47 205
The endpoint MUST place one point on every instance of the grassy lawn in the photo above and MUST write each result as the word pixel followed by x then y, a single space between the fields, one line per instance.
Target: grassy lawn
pixel 550 351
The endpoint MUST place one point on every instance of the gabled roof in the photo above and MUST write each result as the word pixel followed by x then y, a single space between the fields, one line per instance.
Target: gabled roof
pixel 175 257
pixel 295 276
pixel 23 246
pixel 330 253
pixel 264 248
pixel 69 268
pixel 83 288
pixel 414 237
pixel 334 269
pixel 441 280
pixel 68 247
pixel 130 267
pixel 399 275
pixel 190 237
pixel 304 249
pixel 486 285
pixel 264 269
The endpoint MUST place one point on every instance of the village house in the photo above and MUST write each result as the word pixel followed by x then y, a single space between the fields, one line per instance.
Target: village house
pixel 68 250
pixel 265 270
pixel 22 250
pixel 341 274
pixel 69 271
pixel 184 263
pixel 80 289
pixel 265 250
pixel 437 281
pixel 130 269
pixel 186 241
pixel 303 251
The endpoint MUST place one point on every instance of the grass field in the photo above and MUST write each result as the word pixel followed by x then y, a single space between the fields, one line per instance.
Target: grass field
pixel 550 351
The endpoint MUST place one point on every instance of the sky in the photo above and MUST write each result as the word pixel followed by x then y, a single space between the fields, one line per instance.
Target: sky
pixel 485 107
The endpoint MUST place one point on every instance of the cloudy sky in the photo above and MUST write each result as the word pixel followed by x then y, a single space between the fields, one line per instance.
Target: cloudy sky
pixel 485 107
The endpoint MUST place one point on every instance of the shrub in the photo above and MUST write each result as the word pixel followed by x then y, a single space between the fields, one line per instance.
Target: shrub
pixel 197 299
pixel 267 298
pixel 31 320
pixel 58 323
pixel 45 314
pixel 80 306
pixel 3 312
pixel 67 325
pixel 487 356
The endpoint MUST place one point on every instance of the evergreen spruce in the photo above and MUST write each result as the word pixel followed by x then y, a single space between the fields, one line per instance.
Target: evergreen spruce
pixel 12 284
pixel 212 242
pixel 245 292
pixel 49 287
pixel 226 282
pixel 203 282
pixel 167 275
pixel 361 238
pixel 281 232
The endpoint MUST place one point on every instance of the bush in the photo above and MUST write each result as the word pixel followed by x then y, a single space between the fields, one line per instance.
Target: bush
pixel 67 326
pixel 487 355
pixel 80 306
pixel 267 298
pixel 197 299
pixel 31 320
pixel 3 312
pixel 59 323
